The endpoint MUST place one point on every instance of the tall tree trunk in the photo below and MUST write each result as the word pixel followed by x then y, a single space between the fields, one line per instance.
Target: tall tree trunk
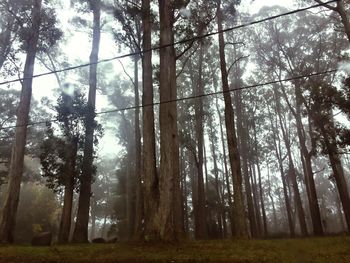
pixel 239 214
pixel 70 174
pixel 200 213
pixel 151 191
pixel 256 148
pixel 138 168
pixel 93 219
pixel 243 143
pixel 255 198
pixel 225 166
pixel 80 234
pixel 219 198
pixel 306 158
pixel 168 220
pixel 183 176
pixel 337 168
pixel 292 174
pixel 278 153
pixel 271 198
pixel 9 211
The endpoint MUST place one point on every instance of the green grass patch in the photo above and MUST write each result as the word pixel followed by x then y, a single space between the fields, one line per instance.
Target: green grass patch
pixel 327 250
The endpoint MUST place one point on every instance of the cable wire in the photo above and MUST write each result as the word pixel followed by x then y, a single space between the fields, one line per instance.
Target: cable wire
pixel 192 39
pixel 185 98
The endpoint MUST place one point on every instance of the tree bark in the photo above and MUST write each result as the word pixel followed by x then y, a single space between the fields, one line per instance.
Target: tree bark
pixel 70 174
pixel 80 234
pixel 200 213
pixel 292 174
pixel 256 148
pixel 306 158
pixel 138 168
pixel 169 211
pixel 151 191
pixel 239 214
pixel 9 211
pixel 278 153
pixel 219 197
pixel 338 171
pixel 243 143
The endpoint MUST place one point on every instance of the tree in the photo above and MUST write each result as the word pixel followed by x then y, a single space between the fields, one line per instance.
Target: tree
pixel 341 9
pixel 81 226
pixel 61 155
pixel 169 147
pixel 151 190
pixel 131 37
pixel 8 216
pixel 239 215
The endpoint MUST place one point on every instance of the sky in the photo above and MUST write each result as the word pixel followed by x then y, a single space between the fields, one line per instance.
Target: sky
pixel 77 49
pixel 108 49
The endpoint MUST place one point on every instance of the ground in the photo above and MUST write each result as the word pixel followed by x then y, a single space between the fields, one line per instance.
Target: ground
pixel 330 249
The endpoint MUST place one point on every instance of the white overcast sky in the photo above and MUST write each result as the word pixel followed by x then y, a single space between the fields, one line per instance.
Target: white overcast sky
pixel 78 48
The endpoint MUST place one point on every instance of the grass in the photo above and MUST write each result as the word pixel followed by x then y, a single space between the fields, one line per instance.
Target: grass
pixel 327 250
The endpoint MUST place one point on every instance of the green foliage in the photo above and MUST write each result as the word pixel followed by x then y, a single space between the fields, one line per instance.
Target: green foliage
pixel 53 155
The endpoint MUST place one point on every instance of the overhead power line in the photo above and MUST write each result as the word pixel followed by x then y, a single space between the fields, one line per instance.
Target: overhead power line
pixel 183 41
pixel 186 98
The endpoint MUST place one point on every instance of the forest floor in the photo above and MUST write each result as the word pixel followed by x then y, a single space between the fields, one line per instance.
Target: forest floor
pixel 329 249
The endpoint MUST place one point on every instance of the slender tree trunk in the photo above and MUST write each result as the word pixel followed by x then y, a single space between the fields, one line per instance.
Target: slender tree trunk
pixel 306 157
pixel 169 215
pixel 80 234
pixel 93 219
pixel 256 199
pixel 239 214
pixel 243 143
pixel 261 190
pixel 278 153
pixel 292 174
pixel 225 168
pixel 70 174
pixel 151 194
pixel 219 199
pixel 183 177
pixel 9 210
pixel 338 173
pixel 271 198
pixel 138 178
pixel 200 213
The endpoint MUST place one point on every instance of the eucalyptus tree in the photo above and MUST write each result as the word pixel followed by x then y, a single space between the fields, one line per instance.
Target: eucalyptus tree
pixel 82 221
pixel 61 154
pixel 300 56
pixel 342 9
pixel 129 15
pixel 37 31
pixel 151 190
pixel 238 205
